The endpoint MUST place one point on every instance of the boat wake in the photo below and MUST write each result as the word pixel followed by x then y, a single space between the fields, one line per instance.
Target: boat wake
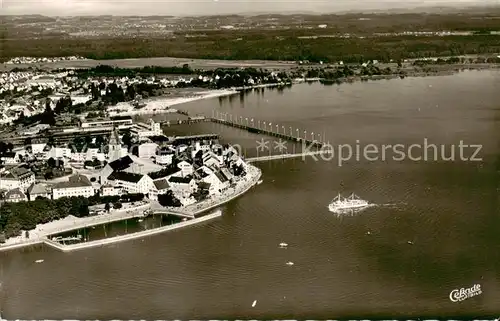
pixel 396 206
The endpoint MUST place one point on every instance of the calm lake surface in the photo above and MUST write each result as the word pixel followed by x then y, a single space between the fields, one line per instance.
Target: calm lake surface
pixel 449 210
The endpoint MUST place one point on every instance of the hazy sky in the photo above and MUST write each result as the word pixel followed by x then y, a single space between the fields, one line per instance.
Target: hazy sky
pixel 208 7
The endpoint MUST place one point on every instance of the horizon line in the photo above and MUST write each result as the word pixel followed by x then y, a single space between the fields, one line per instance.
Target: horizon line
pixel 424 8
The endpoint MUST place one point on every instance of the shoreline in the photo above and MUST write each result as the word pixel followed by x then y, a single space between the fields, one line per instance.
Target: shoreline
pixel 196 209
pixel 162 104
pixel 44 231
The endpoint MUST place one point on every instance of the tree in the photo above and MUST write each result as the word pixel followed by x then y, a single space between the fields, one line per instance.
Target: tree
pixel 168 200
pixel 117 205
pixel 48 116
pixel 127 138
pixel 51 162
pixel 107 207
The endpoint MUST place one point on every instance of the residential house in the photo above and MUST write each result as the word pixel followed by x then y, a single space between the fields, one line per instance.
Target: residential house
pixel 11 158
pixel 38 148
pixel 224 179
pixel 186 168
pixel 38 190
pixel 110 190
pixel 58 152
pixel 215 185
pixel 211 159
pixel 182 187
pixel 15 195
pixel 16 177
pixel 164 157
pixel 88 155
pixel 159 187
pixel 77 185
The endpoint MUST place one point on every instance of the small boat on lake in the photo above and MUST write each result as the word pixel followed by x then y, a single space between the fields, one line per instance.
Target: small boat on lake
pixel 259 182
pixel 39 261
pixel 289 263
pixel 254 303
pixel 283 245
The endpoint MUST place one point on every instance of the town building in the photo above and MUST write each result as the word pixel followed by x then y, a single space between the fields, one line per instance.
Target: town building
pixel 114 122
pixel 186 168
pixel 164 156
pixel 11 158
pixel 159 187
pixel 110 190
pixel 38 190
pixel 182 187
pixel 132 183
pixel 16 177
pixel 147 150
pixel 142 131
pixel 15 195
pixel 77 185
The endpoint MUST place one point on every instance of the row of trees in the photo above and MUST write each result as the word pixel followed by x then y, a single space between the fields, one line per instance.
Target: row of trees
pixel 114 94
pixel 15 217
pixel 110 71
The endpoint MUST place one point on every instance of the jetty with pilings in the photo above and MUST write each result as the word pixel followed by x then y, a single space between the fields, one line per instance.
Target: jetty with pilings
pixel 256 127
pixel 264 131
pixel 259 127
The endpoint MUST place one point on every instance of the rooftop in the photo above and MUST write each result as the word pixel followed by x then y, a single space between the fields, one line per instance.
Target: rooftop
pixel 161 184
pixel 180 180
pixel 126 177
pixel 121 163
pixel 74 181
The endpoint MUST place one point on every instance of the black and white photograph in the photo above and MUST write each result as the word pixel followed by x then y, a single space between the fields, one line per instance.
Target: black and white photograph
pixel 249 160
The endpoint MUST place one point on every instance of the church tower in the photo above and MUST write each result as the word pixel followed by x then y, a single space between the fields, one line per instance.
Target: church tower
pixel 114 146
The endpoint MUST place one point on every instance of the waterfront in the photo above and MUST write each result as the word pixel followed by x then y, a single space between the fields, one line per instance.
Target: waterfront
pixel 448 210
pixel 118 228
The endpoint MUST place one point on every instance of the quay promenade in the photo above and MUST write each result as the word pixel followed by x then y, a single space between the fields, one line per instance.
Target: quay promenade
pixel 43 233
pixel 116 239
pixel 131 236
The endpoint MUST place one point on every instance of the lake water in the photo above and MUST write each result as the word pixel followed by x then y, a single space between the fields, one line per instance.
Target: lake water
pixel 358 266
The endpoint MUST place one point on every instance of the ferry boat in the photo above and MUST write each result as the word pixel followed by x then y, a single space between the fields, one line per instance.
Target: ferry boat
pixel 352 202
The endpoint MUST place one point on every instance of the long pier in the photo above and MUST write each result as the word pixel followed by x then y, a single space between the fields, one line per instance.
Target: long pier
pixel 285 156
pixel 266 129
